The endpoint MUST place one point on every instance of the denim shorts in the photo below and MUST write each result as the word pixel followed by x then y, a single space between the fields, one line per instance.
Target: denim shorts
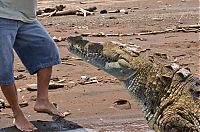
pixel 31 42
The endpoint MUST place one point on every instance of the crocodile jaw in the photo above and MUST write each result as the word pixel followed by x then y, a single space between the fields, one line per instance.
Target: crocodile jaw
pixel 94 54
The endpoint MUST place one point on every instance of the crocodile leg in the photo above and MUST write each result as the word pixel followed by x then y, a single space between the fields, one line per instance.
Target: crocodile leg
pixel 176 123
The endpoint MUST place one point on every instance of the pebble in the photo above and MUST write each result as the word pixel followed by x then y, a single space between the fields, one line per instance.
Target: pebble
pixel 66 113
pixel 158 19
pixel 33 98
pixel 2 103
pixel 20 76
pixel 103 12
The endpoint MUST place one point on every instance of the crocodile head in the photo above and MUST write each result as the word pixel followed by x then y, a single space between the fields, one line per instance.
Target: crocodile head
pixel 161 87
pixel 113 57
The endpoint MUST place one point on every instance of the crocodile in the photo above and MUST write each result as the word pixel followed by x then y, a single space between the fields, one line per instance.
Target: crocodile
pixel 168 94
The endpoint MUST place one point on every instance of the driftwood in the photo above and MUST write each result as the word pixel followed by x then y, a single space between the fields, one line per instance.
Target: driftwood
pixel 101 34
pixel 51 9
pixel 33 87
pixel 75 12
pixel 188 26
pixel 84 12
pixel 66 12
pixel 114 11
pixel 69 12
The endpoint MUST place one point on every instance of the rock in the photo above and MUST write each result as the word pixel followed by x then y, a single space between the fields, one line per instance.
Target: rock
pixel 114 11
pixel 158 19
pixel 82 2
pixel 22 104
pixel 92 81
pixel 39 12
pixel 33 87
pixel 67 63
pixel 103 12
pixel 2 103
pixel 112 17
pixel 71 82
pixel 21 89
pixel 56 85
pixel 7 115
pixel 124 11
pixel 122 104
pixel 20 76
pixel 84 78
pixel 55 79
pixel 21 70
pixel 136 8
pixel 66 113
pixel 159 1
pixel 62 81
pixel 33 98
pixel 58 39
pixel 85 34
pixel 141 39
pixel 87 80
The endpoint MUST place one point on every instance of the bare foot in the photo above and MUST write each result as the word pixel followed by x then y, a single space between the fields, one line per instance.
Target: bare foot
pixel 23 124
pixel 47 107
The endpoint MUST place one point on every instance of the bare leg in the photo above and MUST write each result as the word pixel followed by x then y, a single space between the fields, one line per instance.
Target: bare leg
pixel 19 119
pixel 42 103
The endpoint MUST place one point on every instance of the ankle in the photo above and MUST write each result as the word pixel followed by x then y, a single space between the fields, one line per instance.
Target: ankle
pixel 41 101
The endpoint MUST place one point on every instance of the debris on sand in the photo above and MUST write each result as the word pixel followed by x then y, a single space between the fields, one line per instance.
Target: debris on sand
pixel 19 77
pixel 60 12
pixel 158 19
pixel 59 39
pixel 87 80
pixel 33 87
pixel 103 12
pixel 22 104
pixel 33 98
pixel 51 9
pixel 7 115
pixel 84 12
pixel 114 11
pixel 188 26
pixel 21 89
pixel 65 61
pixel 185 29
pixel 2 103
pixel 67 113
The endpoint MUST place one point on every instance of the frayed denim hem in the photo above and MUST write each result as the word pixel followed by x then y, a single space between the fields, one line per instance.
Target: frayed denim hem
pixel 34 69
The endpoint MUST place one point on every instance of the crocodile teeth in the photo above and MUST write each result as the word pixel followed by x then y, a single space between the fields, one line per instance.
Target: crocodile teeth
pixel 123 63
pixel 112 65
pixel 173 66
pixel 183 73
